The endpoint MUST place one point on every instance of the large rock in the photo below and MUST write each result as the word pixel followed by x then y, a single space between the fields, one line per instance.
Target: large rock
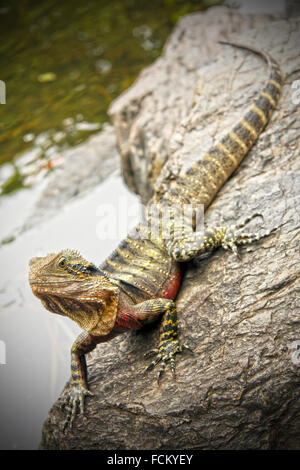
pixel 240 387
pixel 150 118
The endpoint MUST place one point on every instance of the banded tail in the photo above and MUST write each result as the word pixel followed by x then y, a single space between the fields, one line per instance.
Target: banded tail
pixel 201 182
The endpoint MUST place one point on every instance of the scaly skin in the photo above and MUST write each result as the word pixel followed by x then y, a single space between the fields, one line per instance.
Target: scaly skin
pixel 140 280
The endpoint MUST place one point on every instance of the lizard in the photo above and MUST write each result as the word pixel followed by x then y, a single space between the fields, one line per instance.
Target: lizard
pixel 139 281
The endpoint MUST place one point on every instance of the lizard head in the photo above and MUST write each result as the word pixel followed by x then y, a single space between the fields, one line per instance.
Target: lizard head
pixel 69 285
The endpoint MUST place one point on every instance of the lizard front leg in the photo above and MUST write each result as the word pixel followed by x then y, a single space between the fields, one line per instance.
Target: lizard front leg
pixel 169 344
pixel 76 394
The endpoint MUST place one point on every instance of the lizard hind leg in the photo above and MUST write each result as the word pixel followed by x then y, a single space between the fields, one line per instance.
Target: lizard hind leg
pixel 235 237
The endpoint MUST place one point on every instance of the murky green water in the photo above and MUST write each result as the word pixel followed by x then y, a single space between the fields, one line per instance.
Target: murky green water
pixel 64 62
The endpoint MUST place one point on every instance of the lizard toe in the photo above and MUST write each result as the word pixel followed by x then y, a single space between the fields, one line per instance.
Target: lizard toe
pixel 165 354
pixel 73 403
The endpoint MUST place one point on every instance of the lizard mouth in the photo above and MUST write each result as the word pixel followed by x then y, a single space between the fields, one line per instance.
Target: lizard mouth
pixel 69 289
pixel 44 286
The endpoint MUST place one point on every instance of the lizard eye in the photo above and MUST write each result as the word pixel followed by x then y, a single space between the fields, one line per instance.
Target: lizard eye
pixel 62 263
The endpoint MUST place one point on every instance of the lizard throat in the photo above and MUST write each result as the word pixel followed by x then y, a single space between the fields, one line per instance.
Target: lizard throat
pixel 97 318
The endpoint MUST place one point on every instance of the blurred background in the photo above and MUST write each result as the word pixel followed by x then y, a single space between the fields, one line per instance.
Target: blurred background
pixel 62 64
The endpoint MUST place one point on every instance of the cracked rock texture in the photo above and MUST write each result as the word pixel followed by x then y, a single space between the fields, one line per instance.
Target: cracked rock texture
pixel 240 387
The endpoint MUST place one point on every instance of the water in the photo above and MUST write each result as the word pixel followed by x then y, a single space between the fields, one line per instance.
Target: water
pixel 64 62
pixel 38 343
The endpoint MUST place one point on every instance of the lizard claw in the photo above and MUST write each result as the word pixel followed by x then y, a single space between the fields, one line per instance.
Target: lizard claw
pixel 187 349
pixel 150 353
pixel 164 353
pixel 73 401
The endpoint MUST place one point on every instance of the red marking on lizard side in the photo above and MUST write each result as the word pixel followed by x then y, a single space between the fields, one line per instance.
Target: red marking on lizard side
pixel 171 288
pixel 127 320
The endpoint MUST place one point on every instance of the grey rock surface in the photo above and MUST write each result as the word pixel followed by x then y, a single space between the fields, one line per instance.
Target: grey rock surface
pixel 240 387
pixel 189 88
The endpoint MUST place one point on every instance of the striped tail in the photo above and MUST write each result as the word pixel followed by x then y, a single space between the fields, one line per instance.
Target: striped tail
pixel 203 180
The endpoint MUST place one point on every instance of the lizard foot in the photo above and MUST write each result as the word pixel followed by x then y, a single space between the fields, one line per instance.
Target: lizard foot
pixel 235 237
pixel 164 353
pixel 74 400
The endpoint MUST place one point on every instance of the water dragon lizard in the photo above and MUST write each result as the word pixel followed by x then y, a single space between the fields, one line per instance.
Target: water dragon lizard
pixel 139 281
